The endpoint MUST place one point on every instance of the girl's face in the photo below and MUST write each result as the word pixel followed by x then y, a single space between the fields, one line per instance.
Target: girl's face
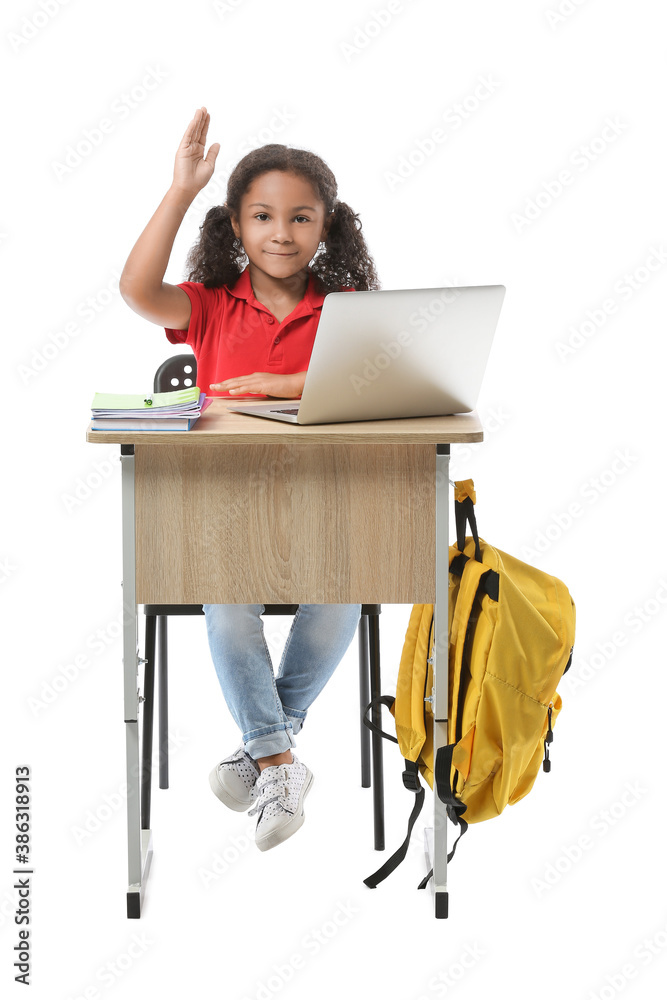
pixel 281 223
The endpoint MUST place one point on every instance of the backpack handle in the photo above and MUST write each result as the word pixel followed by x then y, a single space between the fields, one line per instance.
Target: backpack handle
pixel 464 512
pixel 470 581
pixel 381 699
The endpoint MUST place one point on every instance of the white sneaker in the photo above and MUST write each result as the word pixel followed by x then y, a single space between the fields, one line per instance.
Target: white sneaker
pixel 233 780
pixel 280 791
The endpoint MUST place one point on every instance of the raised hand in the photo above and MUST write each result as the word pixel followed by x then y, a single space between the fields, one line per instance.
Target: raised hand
pixel 192 170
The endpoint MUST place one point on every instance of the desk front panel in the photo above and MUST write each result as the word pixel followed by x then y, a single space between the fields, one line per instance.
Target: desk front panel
pixel 302 522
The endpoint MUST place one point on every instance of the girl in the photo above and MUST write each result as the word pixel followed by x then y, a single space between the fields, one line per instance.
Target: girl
pixel 281 220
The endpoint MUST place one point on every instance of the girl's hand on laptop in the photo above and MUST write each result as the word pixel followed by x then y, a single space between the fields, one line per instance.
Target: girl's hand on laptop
pixel 263 383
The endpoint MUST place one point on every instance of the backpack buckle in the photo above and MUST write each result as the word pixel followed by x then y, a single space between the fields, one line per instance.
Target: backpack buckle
pixel 411 776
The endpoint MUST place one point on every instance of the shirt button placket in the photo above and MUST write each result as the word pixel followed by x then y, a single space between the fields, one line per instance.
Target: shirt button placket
pixel 271 322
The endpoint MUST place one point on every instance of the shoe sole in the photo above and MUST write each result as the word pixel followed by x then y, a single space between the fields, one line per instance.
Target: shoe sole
pixel 278 836
pixel 221 793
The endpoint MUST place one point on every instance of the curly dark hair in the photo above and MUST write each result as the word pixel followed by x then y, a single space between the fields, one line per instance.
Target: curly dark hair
pixel 217 258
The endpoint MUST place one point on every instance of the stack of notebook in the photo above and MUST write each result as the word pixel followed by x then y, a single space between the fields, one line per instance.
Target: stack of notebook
pixel 159 411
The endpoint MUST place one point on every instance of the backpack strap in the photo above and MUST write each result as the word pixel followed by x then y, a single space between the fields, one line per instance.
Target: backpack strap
pixel 412 782
pixel 464 511
pixel 473 572
pixel 471 577
pixel 381 699
pixel 455 809
pixel 411 768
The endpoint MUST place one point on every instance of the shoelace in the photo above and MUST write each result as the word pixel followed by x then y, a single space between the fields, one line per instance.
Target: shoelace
pixel 271 791
pixel 238 757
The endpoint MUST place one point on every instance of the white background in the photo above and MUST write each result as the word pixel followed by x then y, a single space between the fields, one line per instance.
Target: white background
pixel 570 477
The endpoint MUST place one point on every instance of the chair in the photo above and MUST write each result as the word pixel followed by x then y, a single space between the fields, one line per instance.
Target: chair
pixel 178 372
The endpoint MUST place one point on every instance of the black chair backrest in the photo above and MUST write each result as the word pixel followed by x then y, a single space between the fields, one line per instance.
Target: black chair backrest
pixel 178 372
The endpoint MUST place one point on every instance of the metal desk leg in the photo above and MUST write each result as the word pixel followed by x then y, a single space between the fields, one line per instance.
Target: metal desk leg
pixel 163 698
pixel 376 739
pixel 139 843
pixel 364 698
pixel 441 669
pixel 147 727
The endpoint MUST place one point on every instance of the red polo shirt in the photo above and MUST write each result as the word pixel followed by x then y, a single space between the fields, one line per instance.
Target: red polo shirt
pixel 231 333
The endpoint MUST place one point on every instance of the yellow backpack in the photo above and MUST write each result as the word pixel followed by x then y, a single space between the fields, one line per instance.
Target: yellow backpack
pixel 511 636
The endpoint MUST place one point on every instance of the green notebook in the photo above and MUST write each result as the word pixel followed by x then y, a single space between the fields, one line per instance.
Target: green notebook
pixel 138 401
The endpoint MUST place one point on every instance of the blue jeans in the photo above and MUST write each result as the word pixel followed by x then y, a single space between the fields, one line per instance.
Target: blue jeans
pixel 270 710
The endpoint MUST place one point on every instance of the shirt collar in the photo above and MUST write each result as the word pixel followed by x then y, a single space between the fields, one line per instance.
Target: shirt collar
pixel 312 299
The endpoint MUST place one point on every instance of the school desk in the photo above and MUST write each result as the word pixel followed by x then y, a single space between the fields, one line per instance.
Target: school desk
pixel 326 514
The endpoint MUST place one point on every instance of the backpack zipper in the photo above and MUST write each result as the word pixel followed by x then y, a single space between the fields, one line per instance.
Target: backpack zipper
pixel 549 738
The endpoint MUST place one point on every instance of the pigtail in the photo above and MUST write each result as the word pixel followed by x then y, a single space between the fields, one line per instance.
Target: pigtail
pixel 344 261
pixel 217 258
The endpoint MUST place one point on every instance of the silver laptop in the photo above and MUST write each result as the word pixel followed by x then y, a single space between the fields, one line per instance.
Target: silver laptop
pixel 413 352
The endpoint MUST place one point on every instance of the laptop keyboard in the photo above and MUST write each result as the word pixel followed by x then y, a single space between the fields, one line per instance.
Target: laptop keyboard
pixel 295 410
